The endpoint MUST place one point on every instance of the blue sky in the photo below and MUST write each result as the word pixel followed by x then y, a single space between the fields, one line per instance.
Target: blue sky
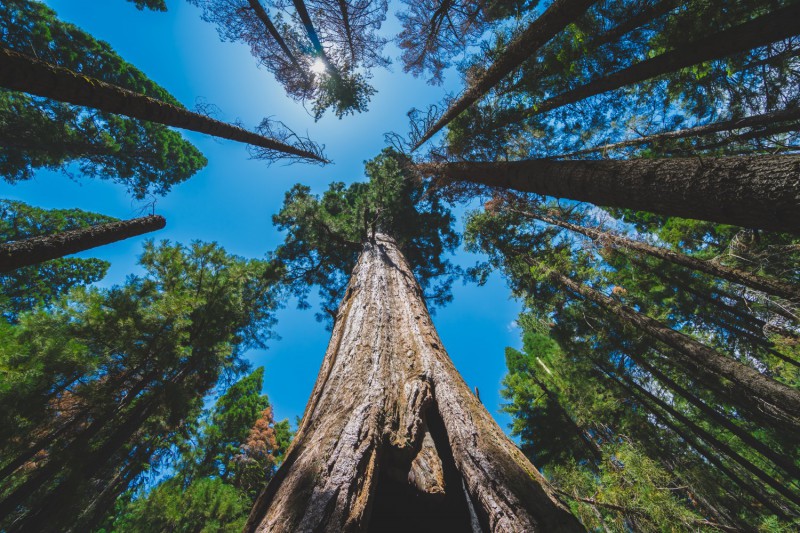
pixel 232 200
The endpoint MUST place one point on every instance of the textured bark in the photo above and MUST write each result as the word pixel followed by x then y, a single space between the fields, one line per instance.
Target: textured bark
pixel 776 399
pixel 392 437
pixel 553 20
pixel 750 191
pixel 775 287
pixel 761 31
pixel 754 121
pixel 18 254
pixel 19 72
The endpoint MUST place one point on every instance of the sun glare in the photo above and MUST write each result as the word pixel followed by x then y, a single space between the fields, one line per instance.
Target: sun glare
pixel 318 67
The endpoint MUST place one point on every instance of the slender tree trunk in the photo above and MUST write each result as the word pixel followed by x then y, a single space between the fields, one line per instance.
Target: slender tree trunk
pixel 781 401
pixel 718 445
pixel 783 462
pixel 692 441
pixel 19 72
pixel 775 287
pixel 761 31
pixel 553 20
pixel 348 31
pixel 273 32
pixel 751 191
pixel 18 254
pixel 392 436
pixel 754 121
pixel 305 18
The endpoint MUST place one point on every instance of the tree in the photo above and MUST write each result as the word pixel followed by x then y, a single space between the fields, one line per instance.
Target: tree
pixel 720 440
pixel 230 457
pixel 155 5
pixel 30 287
pixel 35 250
pixel 23 73
pixel 554 19
pixel 749 191
pixel 392 436
pixel 37 133
pixel 102 384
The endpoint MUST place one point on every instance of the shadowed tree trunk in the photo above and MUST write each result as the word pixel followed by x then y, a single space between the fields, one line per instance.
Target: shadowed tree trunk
pixel 553 20
pixel 18 254
pixel 19 72
pixel 761 31
pixel 750 191
pixel 392 438
pixel 778 401
pixel 760 283
pixel 765 119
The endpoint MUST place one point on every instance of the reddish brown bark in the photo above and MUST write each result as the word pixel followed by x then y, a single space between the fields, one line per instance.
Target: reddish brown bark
pixel 393 436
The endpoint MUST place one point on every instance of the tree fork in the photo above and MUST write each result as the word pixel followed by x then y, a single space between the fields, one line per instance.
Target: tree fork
pixel 18 254
pixel 751 191
pixel 19 72
pixel 389 415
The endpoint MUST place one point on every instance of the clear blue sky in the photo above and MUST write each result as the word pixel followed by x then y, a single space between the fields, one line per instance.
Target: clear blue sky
pixel 232 199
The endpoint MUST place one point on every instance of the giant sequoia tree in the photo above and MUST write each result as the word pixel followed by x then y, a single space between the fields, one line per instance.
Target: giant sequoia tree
pixel 392 437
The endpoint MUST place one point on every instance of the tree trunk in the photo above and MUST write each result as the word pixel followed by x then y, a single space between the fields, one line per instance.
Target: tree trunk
pixel 19 72
pixel 392 438
pixel 710 456
pixel 348 31
pixel 775 287
pixel 305 18
pixel 262 15
pixel 750 191
pixel 754 121
pixel 18 254
pixel 553 20
pixel 761 31
pixel 780 401
pixel 783 462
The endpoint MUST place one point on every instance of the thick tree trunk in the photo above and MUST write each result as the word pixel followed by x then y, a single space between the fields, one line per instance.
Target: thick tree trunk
pixel 754 121
pixel 19 72
pixel 761 31
pixel 18 254
pixel 770 286
pixel 553 20
pixel 751 191
pixel 392 438
pixel 780 401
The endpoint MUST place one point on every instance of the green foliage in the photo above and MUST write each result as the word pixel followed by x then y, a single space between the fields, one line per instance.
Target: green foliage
pixel 345 94
pixel 29 287
pixel 207 505
pixel 37 133
pixel 325 234
pixel 105 382
pixel 579 390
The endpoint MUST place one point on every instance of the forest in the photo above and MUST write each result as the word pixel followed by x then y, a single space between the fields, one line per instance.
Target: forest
pixel 411 266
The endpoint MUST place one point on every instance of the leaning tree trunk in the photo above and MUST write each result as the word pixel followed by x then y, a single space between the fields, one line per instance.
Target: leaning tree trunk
pixel 392 437
pixel 753 121
pixel 761 31
pixel 750 191
pixel 19 72
pixel 273 32
pixel 774 287
pixel 18 254
pixel 557 16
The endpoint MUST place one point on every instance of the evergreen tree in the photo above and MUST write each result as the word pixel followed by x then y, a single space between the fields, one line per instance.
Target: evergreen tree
pixel 27 288
pixel 105 382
